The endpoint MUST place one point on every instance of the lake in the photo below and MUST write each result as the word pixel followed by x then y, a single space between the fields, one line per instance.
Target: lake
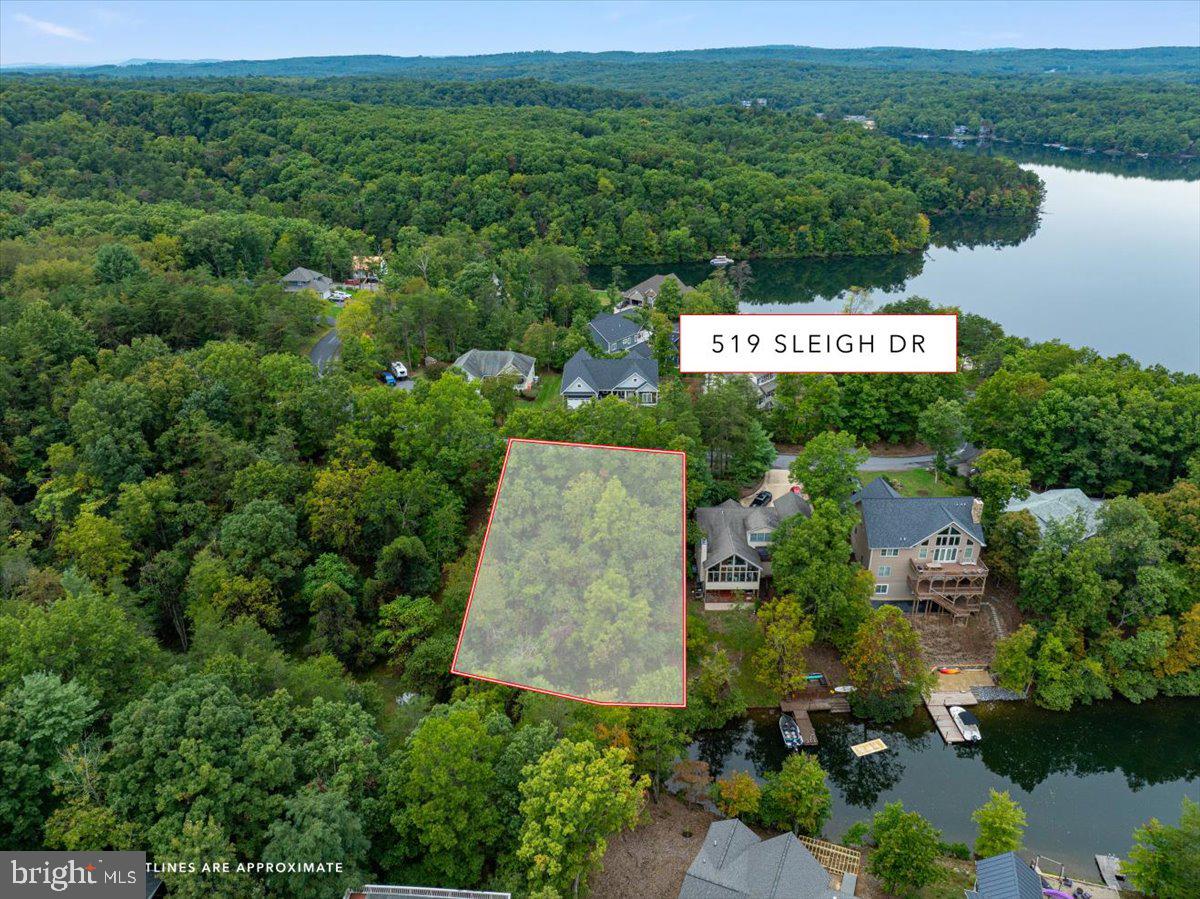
pixel 1086 779
pixel 1112 263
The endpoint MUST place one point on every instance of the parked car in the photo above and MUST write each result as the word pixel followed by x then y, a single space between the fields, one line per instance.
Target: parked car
pixel 399 369
pixel 387 378
pixel 761 498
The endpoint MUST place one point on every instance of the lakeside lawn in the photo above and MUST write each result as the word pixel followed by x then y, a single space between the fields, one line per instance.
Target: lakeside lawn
pixel 919 482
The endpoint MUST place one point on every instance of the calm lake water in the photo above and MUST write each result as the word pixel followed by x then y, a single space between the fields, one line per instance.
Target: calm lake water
pixel 1086 779
pixel 1112 263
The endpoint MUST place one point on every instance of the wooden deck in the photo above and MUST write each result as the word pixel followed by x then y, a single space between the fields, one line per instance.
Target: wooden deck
pixel 938 703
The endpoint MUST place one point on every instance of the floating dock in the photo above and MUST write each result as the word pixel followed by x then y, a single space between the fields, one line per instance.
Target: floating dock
pixel 938 705
pixel 1110 872
pixel 814 699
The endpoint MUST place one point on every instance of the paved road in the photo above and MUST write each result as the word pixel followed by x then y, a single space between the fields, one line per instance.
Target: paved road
pixel 325 350
pixel 873 463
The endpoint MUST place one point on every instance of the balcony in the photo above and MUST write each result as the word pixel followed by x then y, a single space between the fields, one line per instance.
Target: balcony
pixel 955 587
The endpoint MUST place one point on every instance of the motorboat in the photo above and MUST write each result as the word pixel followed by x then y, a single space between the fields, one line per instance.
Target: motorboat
pixel 721 260
pixel 967 723
pixel 790 731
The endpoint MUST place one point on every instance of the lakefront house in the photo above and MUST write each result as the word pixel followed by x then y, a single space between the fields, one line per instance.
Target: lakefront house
pixel 733 557
pixel 921 549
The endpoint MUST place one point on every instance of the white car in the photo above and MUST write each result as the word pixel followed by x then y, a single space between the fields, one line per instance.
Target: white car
pixel 399 370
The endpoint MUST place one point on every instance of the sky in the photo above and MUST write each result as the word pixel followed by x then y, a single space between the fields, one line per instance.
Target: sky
pixel 82 32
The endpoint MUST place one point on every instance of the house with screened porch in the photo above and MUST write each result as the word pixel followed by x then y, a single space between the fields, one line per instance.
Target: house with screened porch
pixel 922 550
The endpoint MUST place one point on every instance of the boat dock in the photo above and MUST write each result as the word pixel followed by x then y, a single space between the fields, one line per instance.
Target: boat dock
pixel 938 702
pixel 1110 871
pixel 813 700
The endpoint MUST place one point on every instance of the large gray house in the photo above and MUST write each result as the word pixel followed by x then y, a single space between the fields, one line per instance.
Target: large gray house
pixel 614 333
pixel 645 293
pixel 587 378
pixel 477 364
pixel 301 278
pixel 735 863
pixel 1058 505
pixel 923 549
pixel 733 556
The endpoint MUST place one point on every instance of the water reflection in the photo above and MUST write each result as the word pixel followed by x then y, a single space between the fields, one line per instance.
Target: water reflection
pixel 1086 779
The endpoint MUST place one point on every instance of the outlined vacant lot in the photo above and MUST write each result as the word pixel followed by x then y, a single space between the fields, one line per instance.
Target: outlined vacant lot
pixel 579 591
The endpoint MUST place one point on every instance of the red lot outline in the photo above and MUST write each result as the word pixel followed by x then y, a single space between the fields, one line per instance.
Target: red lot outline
pixel 682 578
pixel 829 371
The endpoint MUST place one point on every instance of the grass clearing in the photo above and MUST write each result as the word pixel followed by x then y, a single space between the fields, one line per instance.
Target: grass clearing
pixel 548 388
pixel 919 482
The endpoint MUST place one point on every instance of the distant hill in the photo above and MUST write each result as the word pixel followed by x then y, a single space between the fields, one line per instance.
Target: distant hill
pixel 1169 63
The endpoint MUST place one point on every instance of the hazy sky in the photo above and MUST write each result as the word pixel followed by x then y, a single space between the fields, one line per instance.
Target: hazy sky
pixel 95 31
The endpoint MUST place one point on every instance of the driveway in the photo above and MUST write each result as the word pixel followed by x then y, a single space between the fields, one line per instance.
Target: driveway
pixel 325 350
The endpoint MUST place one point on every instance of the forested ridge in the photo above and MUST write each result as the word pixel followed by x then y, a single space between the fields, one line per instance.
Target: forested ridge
pixel 231 588
pixel 622 185
pixel 1141 100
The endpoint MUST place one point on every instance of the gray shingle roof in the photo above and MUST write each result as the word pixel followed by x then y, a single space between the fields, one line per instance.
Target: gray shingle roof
pixel 895 521
pixel 641 349
pixel 725 526
pixel 652 285
pixel 300 273
pixel 613 328
pixel 490 363
pixel 605 374
pixel 793 504
pixel 734 863
pixel 1057 505
pixel 1006 877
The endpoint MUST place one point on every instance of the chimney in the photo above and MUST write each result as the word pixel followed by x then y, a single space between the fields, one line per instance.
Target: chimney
pixel 703 550
pixel 976 509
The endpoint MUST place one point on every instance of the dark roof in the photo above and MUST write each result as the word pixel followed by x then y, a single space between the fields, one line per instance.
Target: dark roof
pixel 898 521
pixel 791 504
pixel 734 863
pixel 1006 877
pixel 652 285
pixel 725 526
pixel 613 328
pixel 605 374
pixel 490 363
pixel 641 349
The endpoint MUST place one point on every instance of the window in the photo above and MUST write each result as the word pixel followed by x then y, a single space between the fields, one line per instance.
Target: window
pixel 760 537
pixel 734 570
pixel 946 545
pixel 881 589
pixel 969 553
pixel 923 553
pixel 885 570
pixel 889 553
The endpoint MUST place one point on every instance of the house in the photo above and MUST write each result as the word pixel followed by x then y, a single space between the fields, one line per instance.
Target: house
pixel 614 333
pixel 301 278
pixel 922 549
pixel 1059 505
pixel 733 556
pixel 634 377
pixel 735 863
pixel 368 268
pixel 1005 876
pixel 866 121
pixel 476 364
pixel 646 292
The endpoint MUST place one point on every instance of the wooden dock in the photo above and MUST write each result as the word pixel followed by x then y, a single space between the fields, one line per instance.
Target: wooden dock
pixel 814 699
pixel 938 705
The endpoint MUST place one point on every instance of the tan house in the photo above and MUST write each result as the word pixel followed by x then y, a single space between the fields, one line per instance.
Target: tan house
pixel 733 557
pixel 923 550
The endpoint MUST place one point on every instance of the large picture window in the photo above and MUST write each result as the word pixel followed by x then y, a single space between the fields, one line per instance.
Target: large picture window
pixel 946 545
